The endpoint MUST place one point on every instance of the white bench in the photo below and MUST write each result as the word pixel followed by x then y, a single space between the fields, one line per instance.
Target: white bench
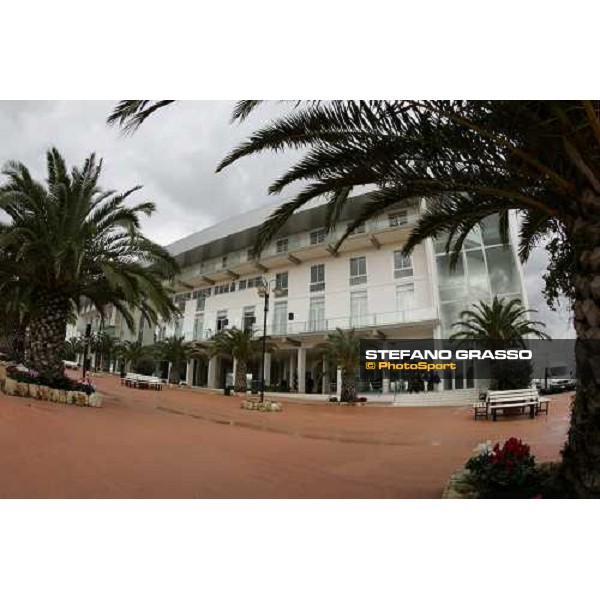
pixel 142 381
pixel 504 400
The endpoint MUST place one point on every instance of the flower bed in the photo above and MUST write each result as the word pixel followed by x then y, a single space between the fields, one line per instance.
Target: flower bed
pixel 266 406
pixel 20 381
pixel 504 471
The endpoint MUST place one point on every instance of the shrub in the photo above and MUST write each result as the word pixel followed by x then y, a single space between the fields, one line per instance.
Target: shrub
pixel 504 472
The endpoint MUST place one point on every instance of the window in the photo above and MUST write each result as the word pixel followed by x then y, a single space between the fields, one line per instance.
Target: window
pixel 281 245
pixel 177 332
pixel 316 314
pixel 255 282
pixel 398 218
pixel 405 298
pixel 200 303
pixel 225 288
pixel 249 318
pixel 224 262
pixel 358 309
pixel 250 255
pixel 358 270
pixel 403 266
pixel 317 278
pixel 281 282
pixel 242 284
pixel 198 327
pixel 205 292
pixel 280 318
pixel 317 237
pixel 181 307
pixel 222 321
pixel 360 229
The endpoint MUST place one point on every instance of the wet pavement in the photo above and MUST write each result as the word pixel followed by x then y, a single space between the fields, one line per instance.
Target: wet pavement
pixel 189 444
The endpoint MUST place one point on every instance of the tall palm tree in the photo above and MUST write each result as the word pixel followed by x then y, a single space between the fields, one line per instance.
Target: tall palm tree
pixel 470 160
pixel 131 352
pixel 105 346
pixel 72 347
pixel 177 351
pixel 343 349
pixel 242 345
pixel 68 242
pixel 500 320
pixel 502 324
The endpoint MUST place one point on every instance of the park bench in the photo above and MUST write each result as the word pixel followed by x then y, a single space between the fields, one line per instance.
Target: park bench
pixel 506 400
pixel 142 381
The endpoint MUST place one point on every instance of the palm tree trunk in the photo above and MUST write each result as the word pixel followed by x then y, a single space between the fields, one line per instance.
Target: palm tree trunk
pixel 47 333
pixel 240 376
pixel 348 387
pixel 580 467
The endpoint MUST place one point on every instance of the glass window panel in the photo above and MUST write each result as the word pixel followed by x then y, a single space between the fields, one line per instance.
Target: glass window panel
pixel 316 315
pixel 477 272
pixel 504 277
pixel 490 230
pixel 280 318
pixel 450 277
pixel 358 309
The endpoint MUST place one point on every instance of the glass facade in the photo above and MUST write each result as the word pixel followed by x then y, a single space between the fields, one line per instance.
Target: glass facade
pixel 485 268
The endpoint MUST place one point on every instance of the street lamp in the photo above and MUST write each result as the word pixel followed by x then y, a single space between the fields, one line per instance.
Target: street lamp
pixel 264 291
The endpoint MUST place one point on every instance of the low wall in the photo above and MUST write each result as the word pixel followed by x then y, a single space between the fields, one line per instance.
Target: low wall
pixel 12 387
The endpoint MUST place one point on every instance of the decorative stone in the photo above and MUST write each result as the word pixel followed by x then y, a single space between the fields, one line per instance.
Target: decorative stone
pixel 34 390
pixel 10 387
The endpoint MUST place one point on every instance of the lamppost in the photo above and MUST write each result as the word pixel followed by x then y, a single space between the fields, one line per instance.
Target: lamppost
pixel 86 344
pixel 264 291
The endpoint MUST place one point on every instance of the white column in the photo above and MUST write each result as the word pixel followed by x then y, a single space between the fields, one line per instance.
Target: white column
pixel 301 370
pixel 385 385
pixel 339 383
pixel 212 372
pixel 292 370
pixel 325 385
pixel 189 374
pixel 267 368
pixel 169 372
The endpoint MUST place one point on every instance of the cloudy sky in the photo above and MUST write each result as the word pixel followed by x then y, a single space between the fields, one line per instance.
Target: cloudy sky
pixel 174 156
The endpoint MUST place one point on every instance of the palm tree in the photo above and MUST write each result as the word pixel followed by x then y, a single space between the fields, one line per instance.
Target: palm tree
pixel 131 352
pixel 105 345
pixel 73 347
pixel 343 350
pixel 470 160
pixel 177 352
pixel 502 324
pixel 242 345
pixel 68 242
pixel 500 320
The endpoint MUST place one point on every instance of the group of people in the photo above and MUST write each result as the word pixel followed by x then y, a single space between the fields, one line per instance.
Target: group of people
pixel 421 382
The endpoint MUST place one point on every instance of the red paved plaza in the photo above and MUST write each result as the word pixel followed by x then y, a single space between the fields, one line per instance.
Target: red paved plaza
pixel 187 444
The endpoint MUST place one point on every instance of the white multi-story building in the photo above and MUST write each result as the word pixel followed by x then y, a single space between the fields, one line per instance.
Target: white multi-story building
pixel 368 284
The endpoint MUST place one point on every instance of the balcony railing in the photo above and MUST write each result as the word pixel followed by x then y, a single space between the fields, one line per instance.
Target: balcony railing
pixel 295 242
pixel 367 321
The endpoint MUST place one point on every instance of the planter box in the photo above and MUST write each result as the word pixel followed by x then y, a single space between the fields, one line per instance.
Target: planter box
pixel 22 389
pixel 10 387
pixel 80 398
pixel 95 400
